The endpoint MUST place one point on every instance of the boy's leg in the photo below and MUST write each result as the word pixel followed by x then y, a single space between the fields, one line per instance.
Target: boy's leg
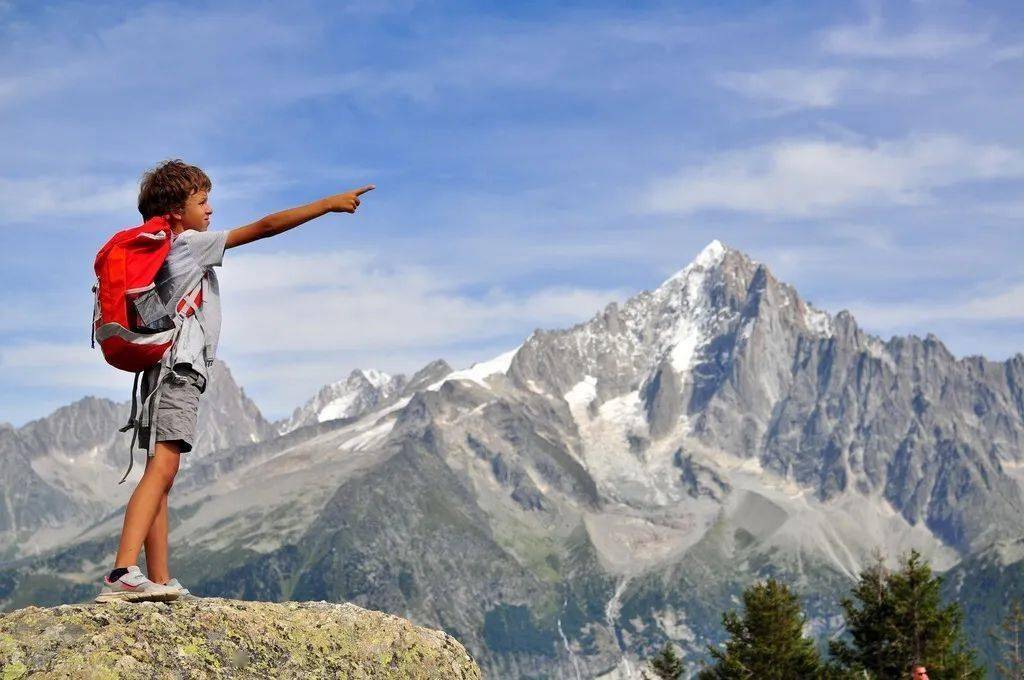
pixel 157 567
pixel 145 501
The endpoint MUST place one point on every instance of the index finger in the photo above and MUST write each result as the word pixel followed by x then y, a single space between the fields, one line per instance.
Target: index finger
pixel 362 190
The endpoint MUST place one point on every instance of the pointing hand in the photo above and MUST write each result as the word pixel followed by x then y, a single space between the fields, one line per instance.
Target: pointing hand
pixel 348 201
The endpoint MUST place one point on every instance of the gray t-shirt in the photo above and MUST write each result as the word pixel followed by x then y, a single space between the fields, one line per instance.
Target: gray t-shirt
pixel 191 250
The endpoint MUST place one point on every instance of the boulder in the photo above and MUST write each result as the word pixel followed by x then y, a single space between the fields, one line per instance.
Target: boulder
pixel 217 637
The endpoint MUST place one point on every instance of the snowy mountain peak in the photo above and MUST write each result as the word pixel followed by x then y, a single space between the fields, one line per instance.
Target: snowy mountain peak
pixel 363 389
pixel 686 333
pixel 710 257
pixel 481 370
pixel 376 378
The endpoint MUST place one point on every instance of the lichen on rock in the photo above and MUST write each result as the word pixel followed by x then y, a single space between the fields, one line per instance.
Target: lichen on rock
pixel 220 638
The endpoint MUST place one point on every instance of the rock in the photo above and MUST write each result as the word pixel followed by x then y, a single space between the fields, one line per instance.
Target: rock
pixel 217 637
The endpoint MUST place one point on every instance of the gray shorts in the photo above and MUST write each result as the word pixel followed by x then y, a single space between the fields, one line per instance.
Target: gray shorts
pixel 178 411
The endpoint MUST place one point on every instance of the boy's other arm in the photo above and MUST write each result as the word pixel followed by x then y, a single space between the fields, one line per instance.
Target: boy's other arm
pixel 271 225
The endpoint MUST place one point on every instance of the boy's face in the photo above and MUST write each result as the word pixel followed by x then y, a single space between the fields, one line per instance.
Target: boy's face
pixel 196 212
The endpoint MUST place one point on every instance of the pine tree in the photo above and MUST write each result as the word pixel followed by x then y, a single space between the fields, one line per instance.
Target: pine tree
pixel 896 617
pixel 667 665
pixel 1011 641
pixel 768 641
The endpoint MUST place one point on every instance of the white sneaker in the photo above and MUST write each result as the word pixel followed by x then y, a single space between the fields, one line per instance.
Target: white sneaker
pixel 183 593
pixel 134 587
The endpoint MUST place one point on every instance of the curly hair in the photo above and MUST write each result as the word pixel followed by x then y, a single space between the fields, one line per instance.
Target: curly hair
pixel 166 187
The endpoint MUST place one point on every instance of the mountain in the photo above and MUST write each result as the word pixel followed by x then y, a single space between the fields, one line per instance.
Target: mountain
pixel 230 417
pixel 348 398
pixel 571 505
pixel 724 366
pixel 60 473
pixel 361 392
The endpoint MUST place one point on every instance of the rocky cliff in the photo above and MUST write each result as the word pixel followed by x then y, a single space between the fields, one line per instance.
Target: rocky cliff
pixel 214 637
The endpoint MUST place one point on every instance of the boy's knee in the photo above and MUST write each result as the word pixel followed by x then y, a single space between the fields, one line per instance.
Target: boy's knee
pixel 164 467
pixel 165 473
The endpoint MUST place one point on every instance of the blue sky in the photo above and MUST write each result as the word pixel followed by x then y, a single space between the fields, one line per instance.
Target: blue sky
pixel 534 161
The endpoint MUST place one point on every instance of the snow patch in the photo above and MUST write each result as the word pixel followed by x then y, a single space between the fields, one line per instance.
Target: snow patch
pixel 479 372
pixel 361 391
pixel 685 342
pixel 711 256
pixel 605 440
pixel 369 437
pixel 338 408
pixel 818 321
pixel 694 315
pixel 582 393
pixel 376 378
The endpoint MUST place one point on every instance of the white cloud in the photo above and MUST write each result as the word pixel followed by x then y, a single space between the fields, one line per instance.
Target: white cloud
pixel 60 365
pixel 279 273
pixel 795 88
pixel 1005 305
pixel 801 178
pixel 1008 53
pixel 54 196
pixel 344 301
pixel 872 41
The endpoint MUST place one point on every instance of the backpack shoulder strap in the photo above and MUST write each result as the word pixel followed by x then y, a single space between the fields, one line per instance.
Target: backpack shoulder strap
pixel 135 420
pixel 133 423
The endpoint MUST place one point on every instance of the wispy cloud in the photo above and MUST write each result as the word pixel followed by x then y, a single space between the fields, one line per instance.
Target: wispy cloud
pixel 59 365
pixel 801 178
pixel 357 301
pixel 872 40
pixel 1002 305
pixel 1008 53
pixel 793 88
pixel 63 195
pixel 788 90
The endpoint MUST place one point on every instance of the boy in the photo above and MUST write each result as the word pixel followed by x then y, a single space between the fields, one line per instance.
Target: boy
pixel 180 193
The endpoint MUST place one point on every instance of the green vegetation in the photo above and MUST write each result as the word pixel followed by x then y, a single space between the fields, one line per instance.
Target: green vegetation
pixel 510 628
pixel 897 617
pixel 1010 640
pixel 667 665
pixel 892 618
pixel 767 641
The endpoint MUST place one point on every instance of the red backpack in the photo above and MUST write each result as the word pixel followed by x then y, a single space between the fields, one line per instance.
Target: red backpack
pixel 126 306
pixel 134 326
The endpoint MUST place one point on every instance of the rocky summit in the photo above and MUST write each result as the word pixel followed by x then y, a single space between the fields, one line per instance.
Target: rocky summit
pixel 215 637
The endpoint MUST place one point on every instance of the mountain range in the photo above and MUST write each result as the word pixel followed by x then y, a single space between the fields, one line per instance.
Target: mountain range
pixel 571 505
